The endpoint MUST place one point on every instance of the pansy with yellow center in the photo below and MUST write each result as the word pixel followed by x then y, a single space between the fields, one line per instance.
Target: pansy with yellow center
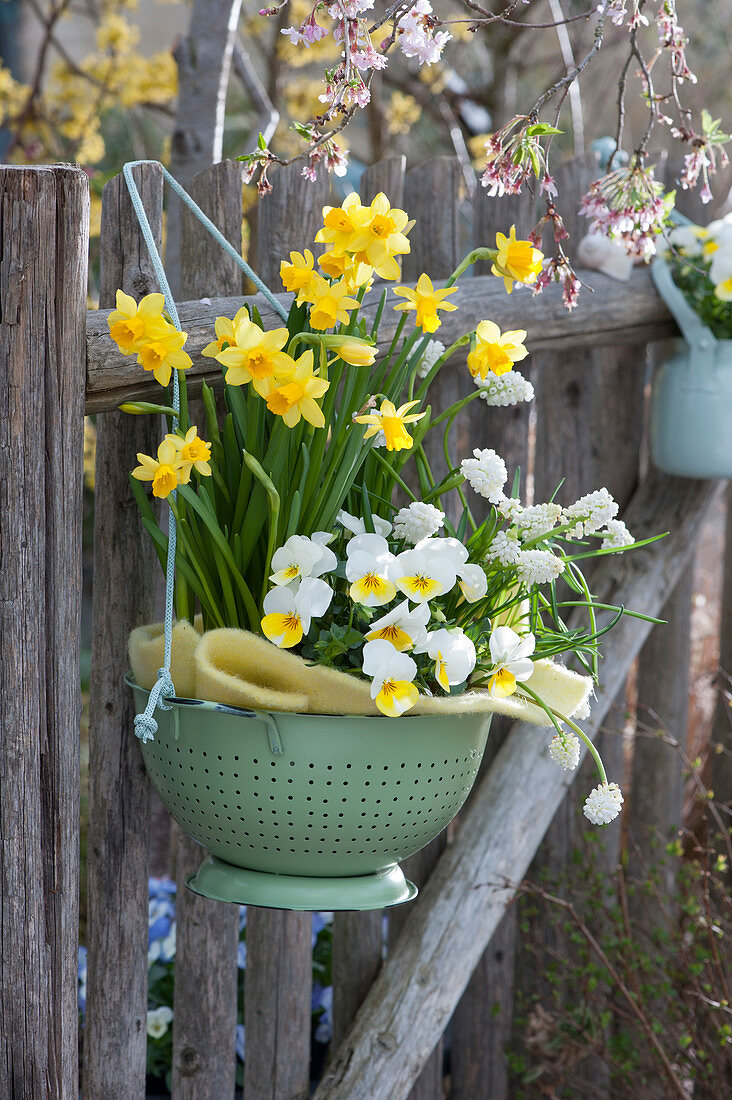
pixel 392 422
pixel 421 576
pixel 404 627
pixel 330 303
pixel 163 354
pixel 295 398
pixel 288 612
pixel 298 274
pixel 453 654
pixel 194 454
pixel 510 660
pixel 426 301
pixel 516 260
pixel 164 471
pixel 224 329
pixel 302 557
pixel 256 356
pixel 392 688
pixel 367 565
pixel 380 234
pixel 723 290
pixel 130 324
pixel 494 351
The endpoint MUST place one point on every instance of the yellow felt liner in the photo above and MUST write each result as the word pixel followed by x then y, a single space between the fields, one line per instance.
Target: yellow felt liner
pixel 241 669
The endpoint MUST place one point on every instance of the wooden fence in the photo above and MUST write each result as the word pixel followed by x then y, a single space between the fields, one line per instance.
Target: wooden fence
pixel 453 956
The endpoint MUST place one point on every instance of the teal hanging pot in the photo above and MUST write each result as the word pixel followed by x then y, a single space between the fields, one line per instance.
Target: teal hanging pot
pixel 304 811
pixel 691 398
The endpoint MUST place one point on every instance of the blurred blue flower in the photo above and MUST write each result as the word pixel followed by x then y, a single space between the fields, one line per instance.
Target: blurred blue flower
pixel 241 956
pixel 322 998
pixel 82 978
pixel 320 921
pixel 240 1041
pixel 242 917
pixel 161 887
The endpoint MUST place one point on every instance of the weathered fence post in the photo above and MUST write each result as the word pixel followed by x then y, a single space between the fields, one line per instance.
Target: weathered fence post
pixel 126 574
pixel 44 233
pixel 721 767
pixel 279 951
pixel 204 1024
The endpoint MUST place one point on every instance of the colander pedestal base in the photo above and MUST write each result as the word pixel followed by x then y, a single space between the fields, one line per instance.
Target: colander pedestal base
pixel 222 881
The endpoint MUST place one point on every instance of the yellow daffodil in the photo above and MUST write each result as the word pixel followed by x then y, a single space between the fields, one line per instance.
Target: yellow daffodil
pixel 344 266
pixel 380 235
pixel 225 330
pixel 163 354
pixel 392 422
pixel 352 350
pixel 329 303
pixel 164 471
pixel 338 225
pixel 130 324
pixel 296 396
pixel 495 351
pixel 426 301
pixel 194 454
pixel 256 356
pixel 298 274
pixel 517 260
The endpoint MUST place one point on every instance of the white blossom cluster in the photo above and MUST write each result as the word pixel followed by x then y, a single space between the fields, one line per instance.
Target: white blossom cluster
pixel 431 354
pixel 539 566
pixel 486 472
pixel 509 508
pixel 603 803
pixel 505 548
pixel 510 388
pixel 593 511
pixel 538 519
pixel 564 750
pixel 417 521
pixel 616 535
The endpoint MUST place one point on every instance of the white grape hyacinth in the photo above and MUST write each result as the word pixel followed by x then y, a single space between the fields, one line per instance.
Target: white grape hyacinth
pixel 510 388
pixel 431 354
pixel 538 519
pixel 564 749
pixel 603 803
pixel 510 508
pixel 593 511
pixel 616 535
pixel 505 548
pixel 539 566
pixel 486 472
pixel 417 521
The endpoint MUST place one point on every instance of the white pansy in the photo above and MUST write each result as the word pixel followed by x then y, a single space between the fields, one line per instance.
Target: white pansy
pixel 616 535
pixel 422 574
pixel 453 654
pixel 473 582
pixel 538 519
pixel 302 557
pixel 417 521
pixel 158 1020
pixel 721 266
pixel 357 526
pixel 510 660
pixel 603 803
pixel 368 562
pixel 403 627
pixel 564 749
pixel 288 611
pixel 392 674
pixel 447 547
pixel 687 239
pixel 539 566
pixel 486 473
pixel 505 548
pixel 510 388
pixel 593 511
pixel 509 508
pixel 431 354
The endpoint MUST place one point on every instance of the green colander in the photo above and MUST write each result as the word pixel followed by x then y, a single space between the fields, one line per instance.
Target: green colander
pixel 305 811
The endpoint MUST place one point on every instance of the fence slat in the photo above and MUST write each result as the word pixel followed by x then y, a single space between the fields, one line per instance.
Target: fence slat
pixel 278 984
pixel 358 937
pixel 204 1024
pixel 721 766
pixel 464 900
pixel 126 573
pixel 277 1005
pixel 44 233
pixel 482 1022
